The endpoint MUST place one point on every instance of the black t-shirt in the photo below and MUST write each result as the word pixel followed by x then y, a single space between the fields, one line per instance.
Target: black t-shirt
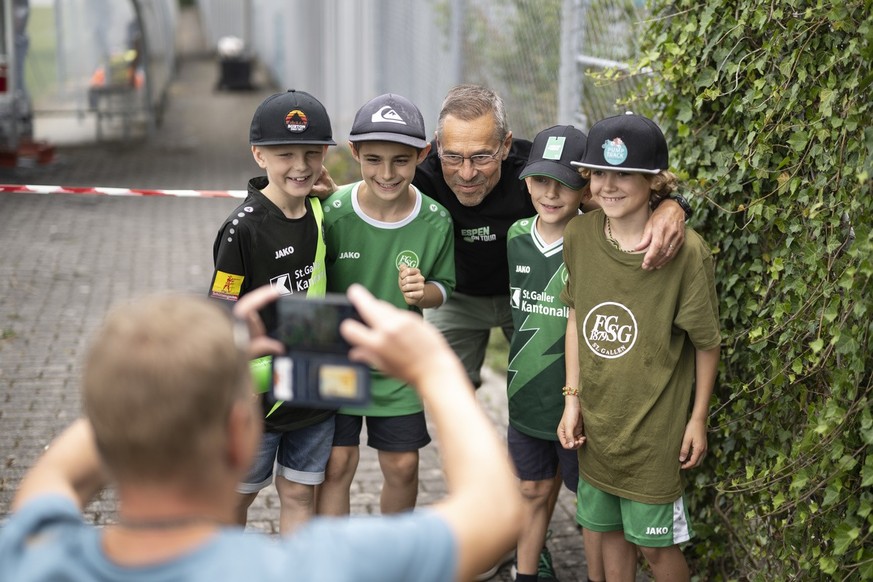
pixel 258 245
pixel 481 266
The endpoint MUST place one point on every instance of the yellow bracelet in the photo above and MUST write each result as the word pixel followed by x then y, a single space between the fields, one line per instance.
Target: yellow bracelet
pixel 568 391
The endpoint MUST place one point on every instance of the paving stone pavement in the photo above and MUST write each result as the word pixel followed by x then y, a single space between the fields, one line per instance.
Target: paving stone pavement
pixel 66 258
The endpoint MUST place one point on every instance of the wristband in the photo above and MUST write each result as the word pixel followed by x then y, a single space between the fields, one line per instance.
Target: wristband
pixel 568 391
pixel 683 204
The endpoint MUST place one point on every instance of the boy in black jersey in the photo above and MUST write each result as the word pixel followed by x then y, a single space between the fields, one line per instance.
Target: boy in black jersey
pixel 274 237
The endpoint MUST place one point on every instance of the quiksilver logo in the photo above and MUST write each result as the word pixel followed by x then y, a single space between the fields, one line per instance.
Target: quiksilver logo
pixel 387 113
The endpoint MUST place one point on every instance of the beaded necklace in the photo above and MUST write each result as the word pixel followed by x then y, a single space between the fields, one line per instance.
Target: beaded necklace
pixel 612 240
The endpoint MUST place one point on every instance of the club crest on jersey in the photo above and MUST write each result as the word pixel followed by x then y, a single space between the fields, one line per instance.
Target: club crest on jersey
pixel 610 330
pixel 406 258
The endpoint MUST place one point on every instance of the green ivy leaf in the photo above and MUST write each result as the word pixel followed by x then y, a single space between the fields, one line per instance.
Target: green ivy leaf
pixel 844 536
pixel 867 472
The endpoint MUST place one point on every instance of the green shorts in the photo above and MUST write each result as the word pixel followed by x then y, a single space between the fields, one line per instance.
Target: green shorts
pixel 648 525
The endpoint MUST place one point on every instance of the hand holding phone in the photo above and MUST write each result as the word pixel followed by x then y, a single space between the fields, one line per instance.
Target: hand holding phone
pixel 316 371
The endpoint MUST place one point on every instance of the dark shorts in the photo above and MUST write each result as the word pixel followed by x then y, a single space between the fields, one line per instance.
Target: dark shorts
pixel 538 459
pixel 384 433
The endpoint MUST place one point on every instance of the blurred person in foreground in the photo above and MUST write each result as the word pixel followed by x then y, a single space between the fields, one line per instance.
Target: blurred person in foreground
pixel 170 420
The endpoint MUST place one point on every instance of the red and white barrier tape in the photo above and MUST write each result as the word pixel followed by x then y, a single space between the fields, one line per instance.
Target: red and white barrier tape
pixel 40 189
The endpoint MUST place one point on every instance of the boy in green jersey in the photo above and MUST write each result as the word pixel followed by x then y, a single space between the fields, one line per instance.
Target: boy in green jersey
pixel 383 233
pixel 642 354
pixel 536 355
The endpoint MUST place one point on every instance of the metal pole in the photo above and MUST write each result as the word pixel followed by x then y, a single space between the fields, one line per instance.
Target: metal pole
pixel 11 73
pixel 247 28
pixel 457 40
pixel 146 66
pixel 570 77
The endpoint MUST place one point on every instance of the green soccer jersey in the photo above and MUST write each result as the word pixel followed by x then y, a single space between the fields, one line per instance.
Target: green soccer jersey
pixel 363 250
pixel 536 353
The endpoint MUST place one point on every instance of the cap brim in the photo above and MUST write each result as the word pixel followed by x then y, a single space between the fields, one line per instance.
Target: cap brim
pixel 616 168
pixel 409 140
pixel 556 171
pixel 270 142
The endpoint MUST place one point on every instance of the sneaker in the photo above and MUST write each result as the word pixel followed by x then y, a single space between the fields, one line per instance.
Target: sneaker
pixel 491 572
pixel 545 569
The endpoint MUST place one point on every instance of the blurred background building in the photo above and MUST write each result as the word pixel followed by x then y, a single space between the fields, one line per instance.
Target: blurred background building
pixel 67 67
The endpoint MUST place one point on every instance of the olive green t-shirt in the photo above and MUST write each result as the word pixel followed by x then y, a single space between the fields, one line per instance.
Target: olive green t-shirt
pixel 638 331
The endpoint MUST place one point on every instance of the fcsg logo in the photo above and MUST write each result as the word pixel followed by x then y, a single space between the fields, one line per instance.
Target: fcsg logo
pixel 610 330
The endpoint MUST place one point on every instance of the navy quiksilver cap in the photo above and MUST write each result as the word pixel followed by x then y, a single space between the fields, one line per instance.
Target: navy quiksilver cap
pixel 292 117
pixel 628 142
pixel 552 154
pixel 389 117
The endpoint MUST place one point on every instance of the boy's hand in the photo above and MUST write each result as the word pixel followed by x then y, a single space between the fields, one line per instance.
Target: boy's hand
pixel 571 429
pixel 324 186
pixel 693 444
pixel 411 283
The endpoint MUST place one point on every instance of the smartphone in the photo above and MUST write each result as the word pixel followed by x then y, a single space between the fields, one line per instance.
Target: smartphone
pixel 315 371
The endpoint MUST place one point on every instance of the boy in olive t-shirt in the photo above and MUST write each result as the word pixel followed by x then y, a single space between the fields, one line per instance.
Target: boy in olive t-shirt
pixel 637 342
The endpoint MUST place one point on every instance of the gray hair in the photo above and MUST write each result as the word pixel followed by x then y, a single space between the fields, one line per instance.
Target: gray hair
pixel 469 102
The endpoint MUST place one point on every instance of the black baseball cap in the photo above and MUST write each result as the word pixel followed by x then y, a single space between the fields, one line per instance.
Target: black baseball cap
pixel 389 117
pixel 552 154
pixel 628 142
pixel 292 117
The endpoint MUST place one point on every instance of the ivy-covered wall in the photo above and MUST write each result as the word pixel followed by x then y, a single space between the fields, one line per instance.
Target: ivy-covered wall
pixel 767 108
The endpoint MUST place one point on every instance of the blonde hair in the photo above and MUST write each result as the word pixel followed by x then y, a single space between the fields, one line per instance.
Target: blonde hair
pixel 160 379
pixel 661 184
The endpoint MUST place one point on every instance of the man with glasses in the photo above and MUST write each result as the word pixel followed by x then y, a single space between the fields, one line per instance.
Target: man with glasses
pixel 473 170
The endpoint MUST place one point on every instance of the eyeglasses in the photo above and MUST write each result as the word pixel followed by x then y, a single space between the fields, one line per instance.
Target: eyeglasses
pixel 478 160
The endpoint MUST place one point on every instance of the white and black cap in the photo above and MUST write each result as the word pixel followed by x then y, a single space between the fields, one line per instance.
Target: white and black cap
pixel 292 117
pixel 628 142
pixel 389 117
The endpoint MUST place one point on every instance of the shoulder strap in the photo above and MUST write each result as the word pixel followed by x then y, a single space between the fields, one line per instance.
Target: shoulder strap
pixel 318 279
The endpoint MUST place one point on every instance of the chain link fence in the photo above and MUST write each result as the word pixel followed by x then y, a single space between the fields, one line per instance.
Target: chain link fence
pixel 535 53
pixel 98 65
